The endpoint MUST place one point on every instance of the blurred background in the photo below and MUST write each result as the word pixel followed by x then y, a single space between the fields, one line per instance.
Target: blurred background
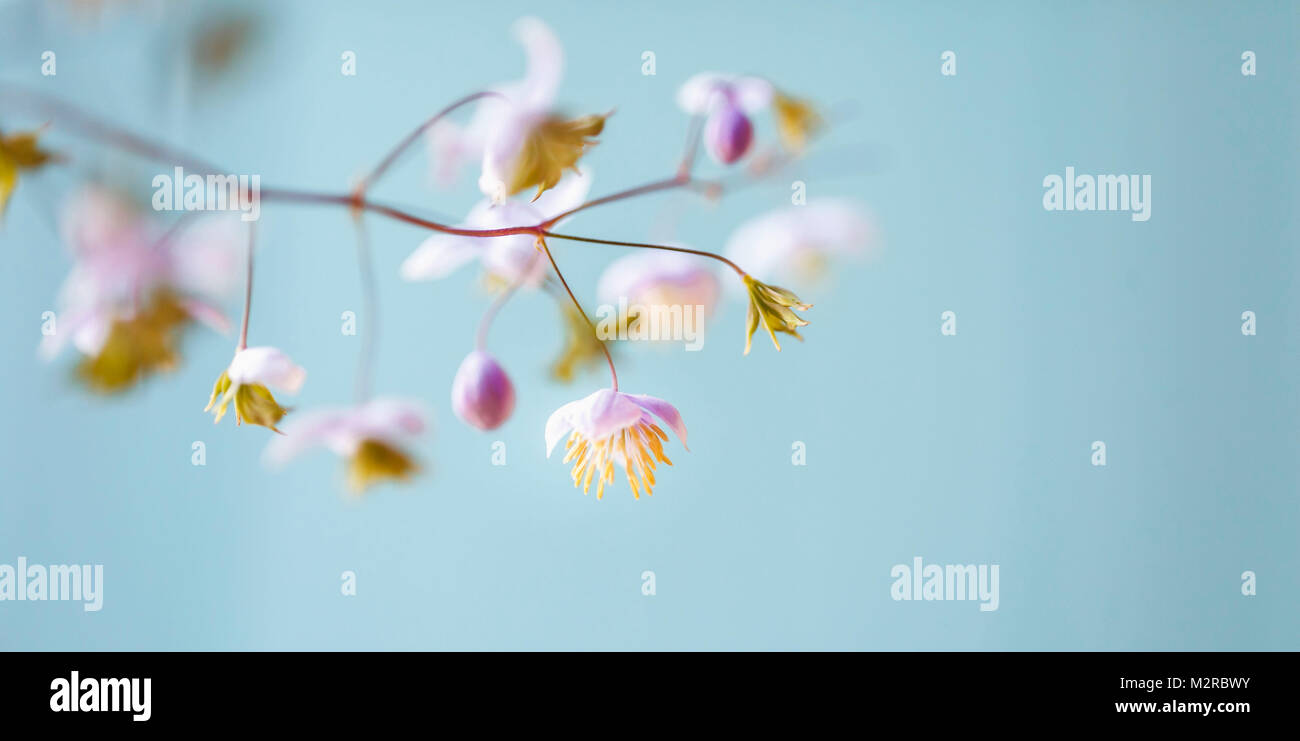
pixel 974 448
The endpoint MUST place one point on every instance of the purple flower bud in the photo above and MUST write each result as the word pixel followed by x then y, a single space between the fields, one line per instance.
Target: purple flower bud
pixel 728 133
pixel 481 393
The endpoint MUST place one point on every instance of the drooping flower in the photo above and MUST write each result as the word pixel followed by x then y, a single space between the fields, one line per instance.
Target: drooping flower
pixel 796 243
pixel 773 307
pixel 655 279
pixel 609 429
pixel 134 287
pixel 18 152
pixel 522 141
pixel 727 102
pixel 511 259
pixel 369 436
pixel 481 393
pixel 245 383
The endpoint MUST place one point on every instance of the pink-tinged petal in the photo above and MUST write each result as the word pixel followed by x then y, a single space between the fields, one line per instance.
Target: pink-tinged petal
pixel 545 64
pixel 603 413
pixel 450 147
pixel 752 94
pixel 502 150
pixel 659 277
pixel 305 431
pixel 439 256
pixel 780 245
pixel 342 430
pixel 389 419
pixel 481 393
pixel 207 257
pixel 267 366
pixel 207 314
pixel 663 410
pixel 697 95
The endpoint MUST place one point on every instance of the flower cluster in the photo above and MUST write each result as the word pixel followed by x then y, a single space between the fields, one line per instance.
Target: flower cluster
pixel 135 285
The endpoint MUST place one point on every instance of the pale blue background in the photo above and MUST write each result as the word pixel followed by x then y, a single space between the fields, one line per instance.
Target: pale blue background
pixel 966 449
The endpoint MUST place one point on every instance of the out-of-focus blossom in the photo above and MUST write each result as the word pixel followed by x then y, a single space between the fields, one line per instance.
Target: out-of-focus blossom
pixel 773 307
pixel 18 152
pixel 481 393
pixel 609 429
pixel 513 259
pixel 796 242
pixel 796 121
pixel 726 102
pixel 370 437
pixel 659 278
pixel 134 286
pixel 522 142
pixel 245 383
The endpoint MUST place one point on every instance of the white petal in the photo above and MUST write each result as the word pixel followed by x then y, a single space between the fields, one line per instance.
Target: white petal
pixel 695 96
pixel 439 256
pixel 545 63
pixel 752 94
pixel 267 366
pixel 559 423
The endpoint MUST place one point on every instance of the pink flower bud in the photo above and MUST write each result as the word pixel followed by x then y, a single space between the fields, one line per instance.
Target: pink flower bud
pixel 481 393
pixel 728 133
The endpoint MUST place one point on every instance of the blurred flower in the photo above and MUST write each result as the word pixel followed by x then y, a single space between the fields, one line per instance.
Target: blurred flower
pixel 659 278
pixel 727 102
pixel 245 383
pixel 609 429
pixel 18 152
pixel 582 348
pixel 219 40
pixel 523 143
pixel 481 393
pixel 512 259
pixel 369 436
pixel 796 121
pixel 773 307
pixel 131 346
pixel 133 286
pixel 797 241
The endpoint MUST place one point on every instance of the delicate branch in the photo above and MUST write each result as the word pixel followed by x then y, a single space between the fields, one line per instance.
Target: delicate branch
pixel 96 129
pixel 370 308
pixel 648 246
pixel 692 147
pixel 248 293
pixel 608 358
pixel 411 138
pixel 480 339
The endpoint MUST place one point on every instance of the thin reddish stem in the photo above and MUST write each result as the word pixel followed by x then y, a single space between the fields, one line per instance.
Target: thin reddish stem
pixel 645 245
pixel 98 130
pixel 608 358
pixel 411 138
pixel 484 324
